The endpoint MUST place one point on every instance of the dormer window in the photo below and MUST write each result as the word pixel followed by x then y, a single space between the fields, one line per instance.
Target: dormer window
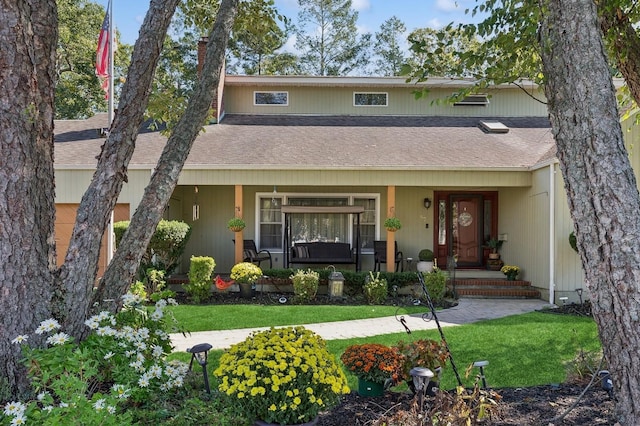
pixel 271 98
pixel 370 99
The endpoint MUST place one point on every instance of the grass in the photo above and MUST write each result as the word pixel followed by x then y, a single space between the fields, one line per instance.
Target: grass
pixel 522 350
pixel 230 317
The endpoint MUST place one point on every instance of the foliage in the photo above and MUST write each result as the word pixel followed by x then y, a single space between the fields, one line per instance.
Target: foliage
pixel 246 272
pixel 426 353
pixel 425 255
pixel 573 241
pixel 510 270
pixel 139 290
pixel 375 289
pixel 236 224
pixel 464 407
pixel 436 283
pixel 305 284
pixel 495 244
pixel 328 39
pixel 392 223
pixel 121 362
pixel 265 382
pixel 388 47
pixel 165 248
pixel 78 91
pixel 373 362
pixel 200 270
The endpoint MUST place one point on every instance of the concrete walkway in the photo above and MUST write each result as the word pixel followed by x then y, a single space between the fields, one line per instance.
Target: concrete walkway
pixel 467 311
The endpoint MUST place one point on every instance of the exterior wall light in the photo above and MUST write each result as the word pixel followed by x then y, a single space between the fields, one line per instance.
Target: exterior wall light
pixel 427 203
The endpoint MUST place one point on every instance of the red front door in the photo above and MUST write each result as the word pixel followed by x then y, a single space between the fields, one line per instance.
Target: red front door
pixel 463 223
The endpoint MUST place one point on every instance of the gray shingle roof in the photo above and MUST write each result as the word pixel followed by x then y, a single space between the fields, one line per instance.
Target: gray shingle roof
pixel 345 142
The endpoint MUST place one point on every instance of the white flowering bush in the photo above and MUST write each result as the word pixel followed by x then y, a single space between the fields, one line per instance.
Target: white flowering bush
pixel 121 362
pixel 375 289
pixel 305 284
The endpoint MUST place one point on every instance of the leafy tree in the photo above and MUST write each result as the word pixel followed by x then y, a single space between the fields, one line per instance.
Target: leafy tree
pixel 78 92
pixel 283 64
pixel 388 47
pixel 328 39
pixel 257 37
pixel 33 288
pixel 600 183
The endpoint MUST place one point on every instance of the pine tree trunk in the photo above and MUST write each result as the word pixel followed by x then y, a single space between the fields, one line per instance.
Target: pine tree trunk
pixel 121 269
pixel 600 184
pixel 28 36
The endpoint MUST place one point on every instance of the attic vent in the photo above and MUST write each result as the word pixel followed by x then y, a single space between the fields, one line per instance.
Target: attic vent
pixel 493 127
pixel 471 100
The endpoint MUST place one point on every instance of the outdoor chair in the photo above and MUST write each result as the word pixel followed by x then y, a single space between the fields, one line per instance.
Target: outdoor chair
pixel 380 255
pixel 251 254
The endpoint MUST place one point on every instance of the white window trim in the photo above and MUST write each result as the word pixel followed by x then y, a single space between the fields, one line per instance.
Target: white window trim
pixel 386 94
pixel 270 91
pixel 284 196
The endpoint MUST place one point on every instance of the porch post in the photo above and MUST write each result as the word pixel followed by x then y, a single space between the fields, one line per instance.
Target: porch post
pixel 391 237
pixel 239 235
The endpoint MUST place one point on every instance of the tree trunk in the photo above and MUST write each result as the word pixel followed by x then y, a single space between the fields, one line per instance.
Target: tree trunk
pixel 28 37
pixel 122 268
pixel 79 270
pixel 600 184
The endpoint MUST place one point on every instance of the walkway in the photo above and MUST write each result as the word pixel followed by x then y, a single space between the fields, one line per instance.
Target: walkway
pixel 467 311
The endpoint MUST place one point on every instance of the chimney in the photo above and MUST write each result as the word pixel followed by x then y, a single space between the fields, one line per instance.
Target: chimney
pixel 202 50
pixel 217 97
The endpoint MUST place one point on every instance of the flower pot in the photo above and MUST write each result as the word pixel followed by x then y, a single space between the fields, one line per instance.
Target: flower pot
pixel 511 277
pixel 247 290
pixel 424 266
pixel 494 256
pixel 236 228
pixel 367 388
pixel 263 423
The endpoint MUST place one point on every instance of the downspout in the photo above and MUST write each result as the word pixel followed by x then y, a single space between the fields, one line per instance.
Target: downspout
pixel 552 232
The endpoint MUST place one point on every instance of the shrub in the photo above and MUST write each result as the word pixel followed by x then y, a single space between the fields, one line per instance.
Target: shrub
pixel 121 363
pixel 265 382
pixel 200 270
pixel 305 284
pixel 375 289
pixel 165 248
pixel 436 283
pixel 421 353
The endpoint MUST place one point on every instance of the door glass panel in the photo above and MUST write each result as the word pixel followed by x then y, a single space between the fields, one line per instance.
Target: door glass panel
pixel 442 222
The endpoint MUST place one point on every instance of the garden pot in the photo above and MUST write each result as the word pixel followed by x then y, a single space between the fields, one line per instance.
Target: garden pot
pixel 367 388
pixel 511 277
pixel 424 266
pixel 263 423
pixel 247 290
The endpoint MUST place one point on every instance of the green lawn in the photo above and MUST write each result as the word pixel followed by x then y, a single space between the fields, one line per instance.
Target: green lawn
pixel 522 350
pixel 230 317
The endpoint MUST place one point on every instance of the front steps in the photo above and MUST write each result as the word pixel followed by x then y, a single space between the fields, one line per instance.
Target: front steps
pixel 489 284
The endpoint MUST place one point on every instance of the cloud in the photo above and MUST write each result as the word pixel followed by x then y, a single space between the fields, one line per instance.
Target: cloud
pixel 447 5
pixel 361 5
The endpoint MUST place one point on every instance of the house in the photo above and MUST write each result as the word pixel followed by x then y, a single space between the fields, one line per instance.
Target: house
pixel 455 175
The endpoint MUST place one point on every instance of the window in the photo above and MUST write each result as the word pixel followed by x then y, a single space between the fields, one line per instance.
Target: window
pixel 480 99
pixel 271 98
pixel 370 99
pixel 314 226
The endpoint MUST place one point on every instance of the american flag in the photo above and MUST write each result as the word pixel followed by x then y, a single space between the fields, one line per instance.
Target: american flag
pixel 102 54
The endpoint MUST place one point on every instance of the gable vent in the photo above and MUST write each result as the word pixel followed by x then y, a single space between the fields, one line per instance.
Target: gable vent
pixel 473 100
pixel 493 127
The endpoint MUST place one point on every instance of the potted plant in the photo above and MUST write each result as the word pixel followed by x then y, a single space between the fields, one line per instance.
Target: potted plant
pixel 285 387
pixel 494 244
pixel 510 271
pixel 392 224
pixel 246 274
pixel 236 224
pixel 425 260
pixel 373 364
pixel 305 284
pixel 425 353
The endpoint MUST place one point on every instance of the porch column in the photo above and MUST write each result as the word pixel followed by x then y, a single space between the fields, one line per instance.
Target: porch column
pixel 239 237
pixel 391 237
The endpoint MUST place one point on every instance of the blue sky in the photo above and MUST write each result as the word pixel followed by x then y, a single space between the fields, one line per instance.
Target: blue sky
pixel 129 14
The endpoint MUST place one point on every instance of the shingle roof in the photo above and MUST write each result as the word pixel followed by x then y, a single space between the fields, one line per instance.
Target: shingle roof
pixel 345 142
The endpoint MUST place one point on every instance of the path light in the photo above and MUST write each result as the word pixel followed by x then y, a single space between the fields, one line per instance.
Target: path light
pixel 607 383
pixel 421 377
pixel 481 365
pixel 579 291
pixel 564 300
pixel 200 354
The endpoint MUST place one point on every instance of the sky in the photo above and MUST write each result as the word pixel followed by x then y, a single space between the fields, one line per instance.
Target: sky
pixel 129 14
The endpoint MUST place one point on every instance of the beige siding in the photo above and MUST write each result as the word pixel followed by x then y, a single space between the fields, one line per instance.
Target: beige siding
pixel 401 101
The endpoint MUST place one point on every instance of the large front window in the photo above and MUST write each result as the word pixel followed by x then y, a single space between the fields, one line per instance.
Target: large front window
pixel 306 227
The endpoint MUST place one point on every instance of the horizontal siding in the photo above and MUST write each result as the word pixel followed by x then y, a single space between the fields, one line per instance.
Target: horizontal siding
pixel 401 101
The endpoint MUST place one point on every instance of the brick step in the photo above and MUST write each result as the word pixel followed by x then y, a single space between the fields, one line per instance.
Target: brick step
pixel 483 282
pixel 495 288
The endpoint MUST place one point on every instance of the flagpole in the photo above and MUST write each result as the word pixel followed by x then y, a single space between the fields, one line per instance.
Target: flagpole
pixel 110 236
